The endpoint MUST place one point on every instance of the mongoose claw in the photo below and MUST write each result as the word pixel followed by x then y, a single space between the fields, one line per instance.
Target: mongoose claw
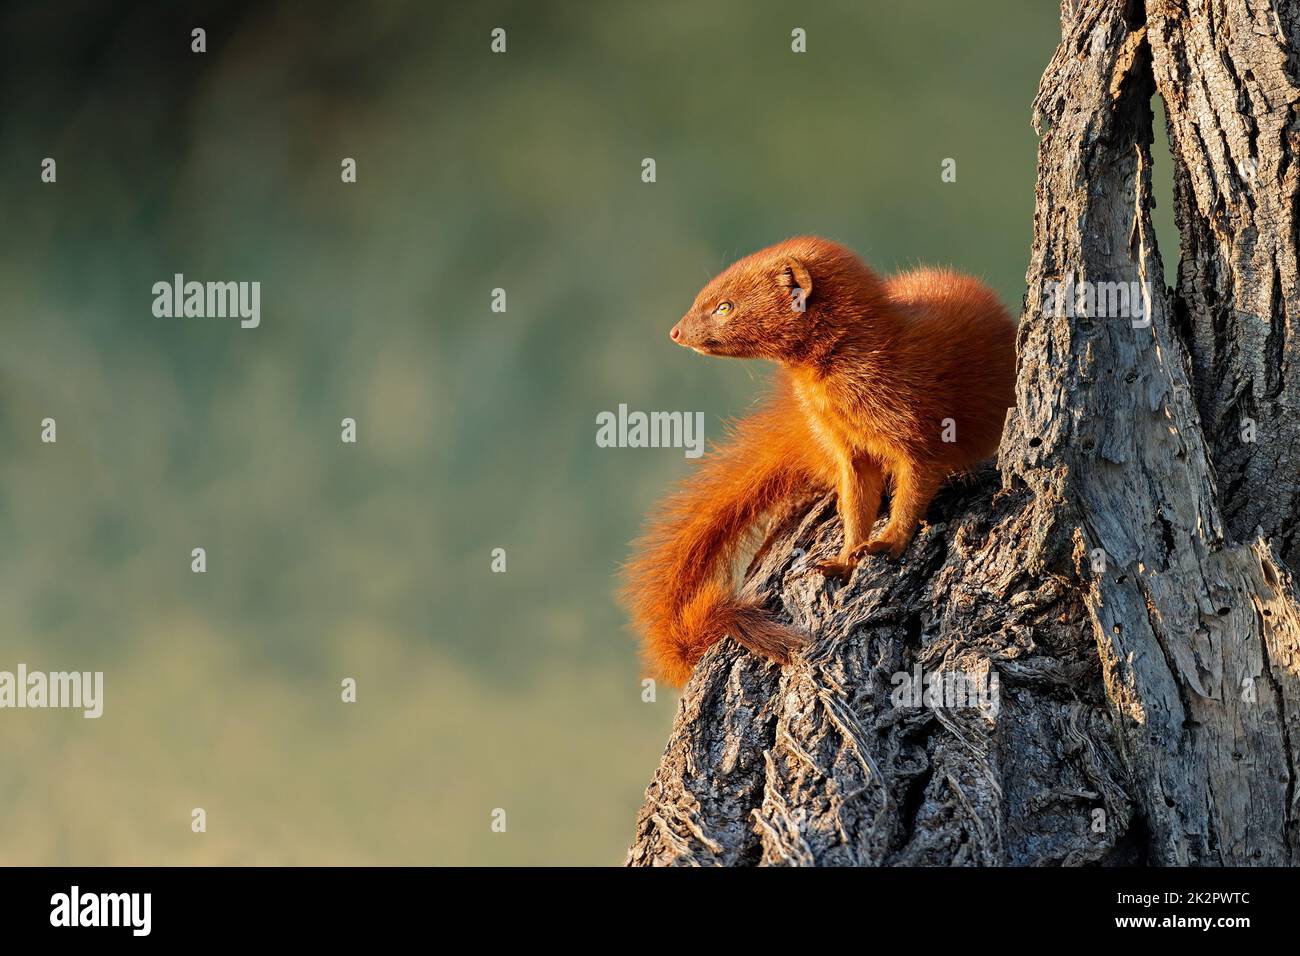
pixel 838 570
pixel 881 545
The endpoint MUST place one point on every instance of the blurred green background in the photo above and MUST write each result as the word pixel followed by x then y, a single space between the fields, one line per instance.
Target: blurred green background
pixel 476 430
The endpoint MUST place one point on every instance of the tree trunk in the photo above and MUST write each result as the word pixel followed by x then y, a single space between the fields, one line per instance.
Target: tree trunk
pixel 1122 580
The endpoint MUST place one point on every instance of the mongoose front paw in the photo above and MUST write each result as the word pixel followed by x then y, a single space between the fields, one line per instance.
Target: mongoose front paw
pixel 838 570
pixel 885 544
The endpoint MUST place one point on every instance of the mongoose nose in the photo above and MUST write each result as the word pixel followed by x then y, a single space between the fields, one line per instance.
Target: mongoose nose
pixel 676 333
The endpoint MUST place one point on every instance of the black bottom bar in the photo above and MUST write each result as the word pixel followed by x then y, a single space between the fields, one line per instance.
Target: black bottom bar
pixel 375 905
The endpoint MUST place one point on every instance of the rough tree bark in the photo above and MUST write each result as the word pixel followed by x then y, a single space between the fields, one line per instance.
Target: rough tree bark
pixel 1125 572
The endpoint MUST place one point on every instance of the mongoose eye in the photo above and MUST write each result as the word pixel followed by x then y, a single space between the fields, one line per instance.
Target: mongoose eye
pixel 723 309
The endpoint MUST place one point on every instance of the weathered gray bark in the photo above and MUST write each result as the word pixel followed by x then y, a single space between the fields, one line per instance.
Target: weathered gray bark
pixel 1124 573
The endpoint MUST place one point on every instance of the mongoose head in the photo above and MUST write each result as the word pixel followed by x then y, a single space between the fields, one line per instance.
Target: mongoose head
pixel 771 303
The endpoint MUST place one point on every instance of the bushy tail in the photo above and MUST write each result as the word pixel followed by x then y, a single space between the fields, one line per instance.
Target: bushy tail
pixel 678 585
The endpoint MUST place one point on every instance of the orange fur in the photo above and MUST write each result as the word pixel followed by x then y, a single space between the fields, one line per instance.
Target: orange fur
pixel 873 376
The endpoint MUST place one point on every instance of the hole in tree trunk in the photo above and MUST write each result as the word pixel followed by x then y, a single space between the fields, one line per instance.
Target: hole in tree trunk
pixel 1162 193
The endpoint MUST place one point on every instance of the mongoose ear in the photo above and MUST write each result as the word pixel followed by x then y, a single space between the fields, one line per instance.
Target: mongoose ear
pixel 795 275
